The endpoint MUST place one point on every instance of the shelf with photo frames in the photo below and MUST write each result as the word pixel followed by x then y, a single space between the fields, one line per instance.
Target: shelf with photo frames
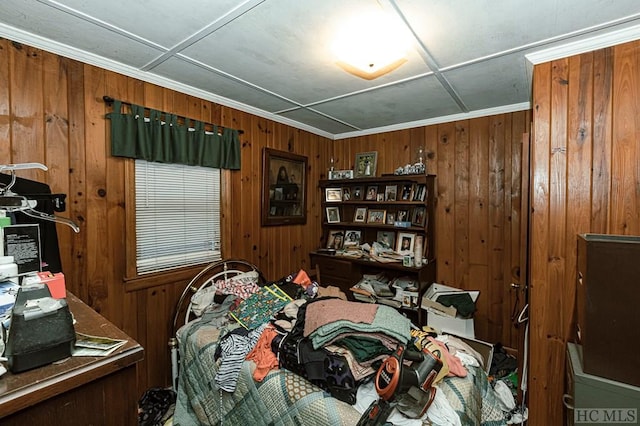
pixel 392 210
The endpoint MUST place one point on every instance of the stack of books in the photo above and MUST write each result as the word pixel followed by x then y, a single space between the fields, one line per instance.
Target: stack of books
pixel 375 288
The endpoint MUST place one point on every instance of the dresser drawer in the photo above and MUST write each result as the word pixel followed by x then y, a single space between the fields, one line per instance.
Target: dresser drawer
pixel 335 267
pixel 336 272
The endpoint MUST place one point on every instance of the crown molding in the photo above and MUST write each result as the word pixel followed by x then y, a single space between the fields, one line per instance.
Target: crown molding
pixel 38 42
pixel 438 120
pixel 600 41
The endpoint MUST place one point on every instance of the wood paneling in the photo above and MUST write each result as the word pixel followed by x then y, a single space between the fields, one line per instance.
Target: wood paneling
pixel 56 113
pixel 51 111
pixel 585 157
pixel 478 167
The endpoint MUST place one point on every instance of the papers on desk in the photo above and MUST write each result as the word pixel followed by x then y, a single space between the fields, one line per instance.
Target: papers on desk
pixel 87 345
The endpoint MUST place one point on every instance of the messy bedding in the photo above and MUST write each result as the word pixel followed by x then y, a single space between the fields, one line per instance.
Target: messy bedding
pixel 292 353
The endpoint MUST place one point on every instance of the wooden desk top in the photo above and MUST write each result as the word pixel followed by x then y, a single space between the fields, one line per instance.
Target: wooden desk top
pixel 18 391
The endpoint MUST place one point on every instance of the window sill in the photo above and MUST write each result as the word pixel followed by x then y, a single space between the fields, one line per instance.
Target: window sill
pixel 161 278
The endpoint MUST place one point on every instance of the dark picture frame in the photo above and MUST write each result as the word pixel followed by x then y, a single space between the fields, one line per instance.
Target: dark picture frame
pixel 284 188
pixel 366 164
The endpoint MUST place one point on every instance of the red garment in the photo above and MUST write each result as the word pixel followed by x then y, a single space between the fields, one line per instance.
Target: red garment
pixel 262 354
pixel 455 365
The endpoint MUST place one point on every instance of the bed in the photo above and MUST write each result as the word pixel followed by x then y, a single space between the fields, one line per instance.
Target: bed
pixel 282 396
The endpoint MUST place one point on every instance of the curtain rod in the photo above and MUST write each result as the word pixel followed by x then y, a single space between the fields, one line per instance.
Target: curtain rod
pixel 109 100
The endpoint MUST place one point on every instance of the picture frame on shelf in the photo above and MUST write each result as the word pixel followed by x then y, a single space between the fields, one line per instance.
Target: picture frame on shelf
pixel 346 193
pixel 391 218
pixel 386 239
pixel 390 193
pixel 380 197
pixel 372 193
pixel 419 214
pixel 407 192
pixel 376 216
pixel 358 193
pixel 352 238
pixel 365 164
pixel 335 239
pixel 420 192
pixel 333 195
pixel 284 182
pixel 403 216
pixel 405 242
pixel 340 174
pixel 360 215
pixel 333 215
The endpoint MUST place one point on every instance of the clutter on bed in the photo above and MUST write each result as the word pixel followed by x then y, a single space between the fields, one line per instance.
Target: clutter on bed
pixel 288 354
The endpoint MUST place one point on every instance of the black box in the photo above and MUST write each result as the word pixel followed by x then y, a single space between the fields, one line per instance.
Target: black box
pixel 607 301
pixel 41 330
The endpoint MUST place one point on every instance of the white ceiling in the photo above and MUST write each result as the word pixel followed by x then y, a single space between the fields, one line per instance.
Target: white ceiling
pixel 271 57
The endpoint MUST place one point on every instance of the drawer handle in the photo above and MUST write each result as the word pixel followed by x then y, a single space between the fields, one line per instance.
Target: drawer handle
pixel 567 400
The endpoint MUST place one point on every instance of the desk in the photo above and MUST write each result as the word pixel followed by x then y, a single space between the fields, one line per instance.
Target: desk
pixel 77 390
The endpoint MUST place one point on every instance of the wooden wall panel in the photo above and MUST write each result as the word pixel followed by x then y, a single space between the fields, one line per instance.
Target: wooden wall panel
pixel 477 163
pixel 478 167
pixel 585 158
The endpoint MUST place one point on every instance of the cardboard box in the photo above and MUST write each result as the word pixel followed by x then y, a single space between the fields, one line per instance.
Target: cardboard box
pixel 444 318
pixel 458 326
pixel 483 348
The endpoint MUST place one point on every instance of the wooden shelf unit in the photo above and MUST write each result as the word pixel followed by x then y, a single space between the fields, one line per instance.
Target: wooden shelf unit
pixel 343 271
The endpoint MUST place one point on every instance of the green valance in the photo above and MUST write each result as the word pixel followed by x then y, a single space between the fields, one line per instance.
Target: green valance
pixel 159 137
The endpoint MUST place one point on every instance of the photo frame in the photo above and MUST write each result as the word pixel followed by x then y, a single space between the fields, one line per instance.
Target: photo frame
pixel 390 193
pixel 405 242
pixel 386 239
pixel 284 183
pixel 419 214
pixel 365 164
pixel 360 215
pixel 420 192
pixel 403 216
pixel 407 192
pixel 335 239
pixel 372 193
pixel 357 193
pixel 346 194
pixel 340 174
pixel 333 195
pixel 391 218
pixel 352 238
pixel 376 216
pixel 333 215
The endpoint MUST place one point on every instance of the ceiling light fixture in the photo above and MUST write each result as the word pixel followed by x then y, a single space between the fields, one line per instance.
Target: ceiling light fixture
pixel 370 46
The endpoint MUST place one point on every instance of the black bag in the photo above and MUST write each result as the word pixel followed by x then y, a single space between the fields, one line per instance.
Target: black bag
pixel 41 332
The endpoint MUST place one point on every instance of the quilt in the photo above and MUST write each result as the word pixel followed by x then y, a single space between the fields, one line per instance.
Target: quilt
pixel 284 398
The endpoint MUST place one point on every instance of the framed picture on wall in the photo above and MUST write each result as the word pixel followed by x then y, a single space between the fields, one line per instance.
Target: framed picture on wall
pixel 284 182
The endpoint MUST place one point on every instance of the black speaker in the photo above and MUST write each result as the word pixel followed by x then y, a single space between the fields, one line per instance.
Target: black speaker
pixel 41 330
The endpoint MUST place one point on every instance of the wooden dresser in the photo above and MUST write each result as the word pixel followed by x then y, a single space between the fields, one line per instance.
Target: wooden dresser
pixel 77 390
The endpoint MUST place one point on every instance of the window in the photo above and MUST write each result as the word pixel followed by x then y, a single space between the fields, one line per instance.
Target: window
pixel 177 216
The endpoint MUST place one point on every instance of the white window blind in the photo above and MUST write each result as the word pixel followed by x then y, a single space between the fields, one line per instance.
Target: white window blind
pixel 177 215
